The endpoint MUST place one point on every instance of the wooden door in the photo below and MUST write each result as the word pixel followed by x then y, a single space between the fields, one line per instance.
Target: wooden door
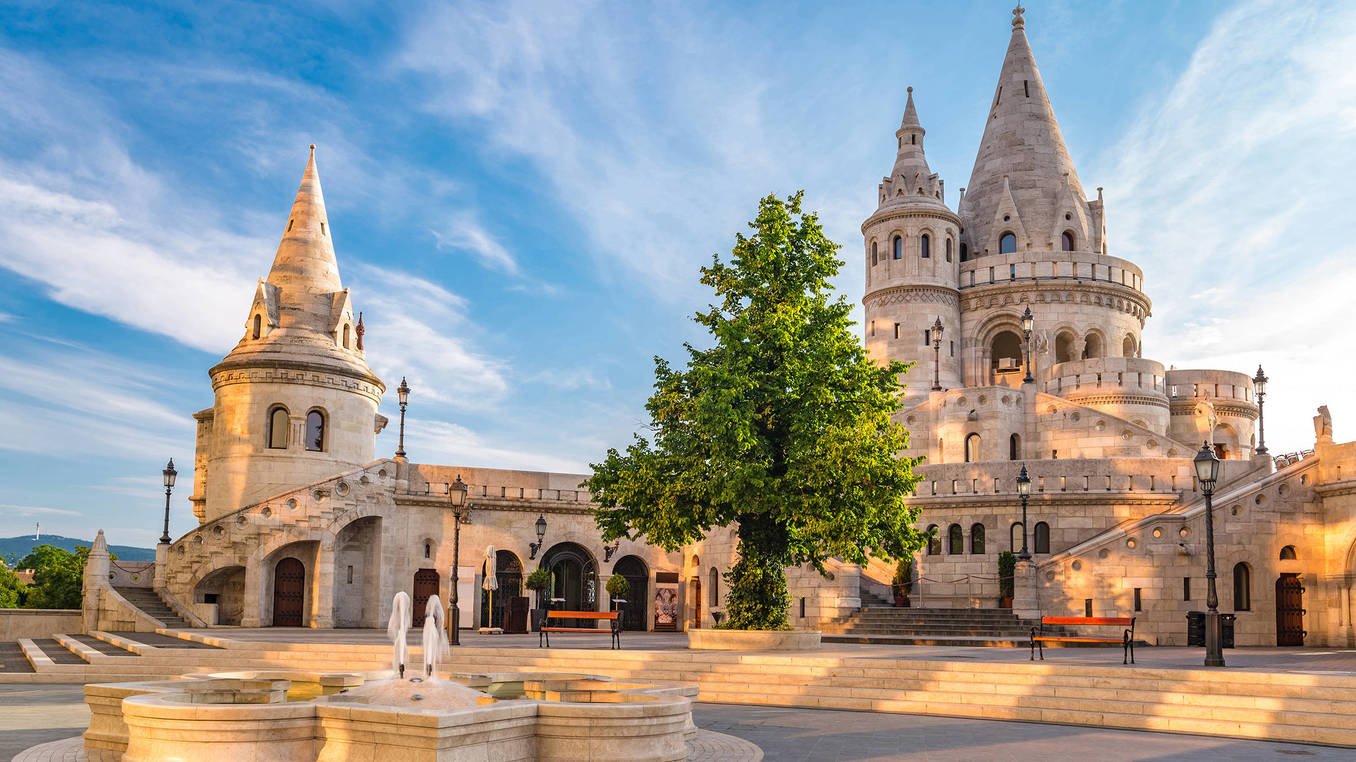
pixel 695 589
pixel 289 593
pixel 425 585
pixel 1289 611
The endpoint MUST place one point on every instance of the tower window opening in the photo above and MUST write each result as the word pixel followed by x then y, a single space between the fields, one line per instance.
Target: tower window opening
pixel 278 421
pixel 925 245
pixel 913 140
pixel 1026 88
pixel 948 249
pixel 934 542
pixel 972 448
pixel 953 348
pixel 874 258
pixel 1242 587
pixel 322 228
pixel 998 96
pixel 1007 244
pixel 290 223
pixel 965 254
pixel 1066 241
pixel 955 540
pixel 1288 553
pixel 1012 272
pixel 873 328
pixel 927 337
pixel 428 550
pixel 1041 537
pixel 898 248
pixel 258 326
pixel 315 431
pixel 346 346
pixel 977 539
pixel 896 330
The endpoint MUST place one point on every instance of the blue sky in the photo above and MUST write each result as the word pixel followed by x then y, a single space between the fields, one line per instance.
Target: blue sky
pixel 521 195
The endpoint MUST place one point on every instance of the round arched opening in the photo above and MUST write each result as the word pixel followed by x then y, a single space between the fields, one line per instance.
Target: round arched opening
pixel 508 576
pixel 1006 352
pixel 574 578
pixel 637 576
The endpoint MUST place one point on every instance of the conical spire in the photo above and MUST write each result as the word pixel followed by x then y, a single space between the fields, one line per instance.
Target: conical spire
pixel 911 180
pixel 305 262
pixel 1022 144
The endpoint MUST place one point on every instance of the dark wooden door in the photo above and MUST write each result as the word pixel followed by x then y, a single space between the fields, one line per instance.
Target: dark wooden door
pixel 425 585
pixel 289 593
pixel 1289 611
pixel 694 588
pixel 637 594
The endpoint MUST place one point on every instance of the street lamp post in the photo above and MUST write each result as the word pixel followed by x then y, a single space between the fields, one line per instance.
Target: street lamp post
pixel 1207 471
pixel 456 498
pixel 1028 322
pixel 937 355
pixel 403 391
pixel 535 547
pixel 169 473
pixel 1259 383
pixel 1024 491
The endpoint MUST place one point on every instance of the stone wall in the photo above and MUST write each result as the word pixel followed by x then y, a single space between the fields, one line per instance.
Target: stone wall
pixel 38 623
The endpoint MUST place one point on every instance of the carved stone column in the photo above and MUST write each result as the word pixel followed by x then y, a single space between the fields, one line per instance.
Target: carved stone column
pixel 1024 601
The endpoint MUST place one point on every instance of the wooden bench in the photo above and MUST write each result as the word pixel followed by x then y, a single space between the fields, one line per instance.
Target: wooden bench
pixel 1126 641
pixel 613 617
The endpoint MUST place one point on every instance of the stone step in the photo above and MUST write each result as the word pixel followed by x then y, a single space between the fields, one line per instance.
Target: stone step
pixel 151 604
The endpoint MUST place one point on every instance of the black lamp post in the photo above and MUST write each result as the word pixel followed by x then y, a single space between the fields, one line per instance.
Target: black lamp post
pixel 1028 322
pixel 169 474
pixel 1024 491
pixel 456 498
pixel 403 391
pixel 535 547
pixel 937 355
pixel 1259 382
pixel 1207 471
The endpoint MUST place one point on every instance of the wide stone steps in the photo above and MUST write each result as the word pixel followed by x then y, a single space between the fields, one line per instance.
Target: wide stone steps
pixel 152 605
pixel 1311 708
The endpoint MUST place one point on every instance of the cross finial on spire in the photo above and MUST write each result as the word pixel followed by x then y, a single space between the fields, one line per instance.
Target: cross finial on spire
pixel 1017 21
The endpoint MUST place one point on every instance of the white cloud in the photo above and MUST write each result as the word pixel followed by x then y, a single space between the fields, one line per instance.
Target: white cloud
pixel 465 232
pixel 1231 189
pixel 35 510
pixel 431 441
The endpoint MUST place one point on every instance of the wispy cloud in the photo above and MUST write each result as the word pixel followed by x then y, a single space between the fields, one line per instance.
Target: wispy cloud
pixel 448 443
pixel 1231 186
pixel 36 510
pixel 465 232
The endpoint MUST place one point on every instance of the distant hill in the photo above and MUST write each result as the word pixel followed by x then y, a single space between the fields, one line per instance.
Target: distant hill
pixel 13 549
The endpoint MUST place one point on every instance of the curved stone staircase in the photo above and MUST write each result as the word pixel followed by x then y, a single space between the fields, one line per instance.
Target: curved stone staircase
pixel 151 604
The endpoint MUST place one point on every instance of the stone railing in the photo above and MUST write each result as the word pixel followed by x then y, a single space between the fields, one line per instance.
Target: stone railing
pixel 1050 265
pixel 1105 375
pixel 1149 475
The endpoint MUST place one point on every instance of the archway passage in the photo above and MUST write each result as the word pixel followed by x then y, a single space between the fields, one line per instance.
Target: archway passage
pixel 574 579
pixel 638 594
pixel 425 585
pixel 289 593
pixel 1006 351
pixel 224 588
pixel 508 570
pixel 1289 611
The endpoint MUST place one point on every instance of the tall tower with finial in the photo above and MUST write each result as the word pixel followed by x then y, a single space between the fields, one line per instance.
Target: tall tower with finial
pixel 295 400
pixel 912 260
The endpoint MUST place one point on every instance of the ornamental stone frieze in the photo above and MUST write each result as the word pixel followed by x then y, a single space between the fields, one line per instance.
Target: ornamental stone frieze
pixel 1117 399
pixel 1007 293
pixel 296 375
pixel 910 295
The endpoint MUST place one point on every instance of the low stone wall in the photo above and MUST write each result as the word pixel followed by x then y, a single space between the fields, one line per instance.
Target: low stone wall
pixel 753 640
pixel 38 623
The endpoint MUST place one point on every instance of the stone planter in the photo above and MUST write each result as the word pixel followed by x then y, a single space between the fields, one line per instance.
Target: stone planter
pixel 753 640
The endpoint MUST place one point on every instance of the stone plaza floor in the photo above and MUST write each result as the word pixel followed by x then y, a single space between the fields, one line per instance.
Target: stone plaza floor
pixel 35 714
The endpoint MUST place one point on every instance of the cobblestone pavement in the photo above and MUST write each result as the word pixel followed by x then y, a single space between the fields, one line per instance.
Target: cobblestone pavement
pixel 835 736
pixel 34 714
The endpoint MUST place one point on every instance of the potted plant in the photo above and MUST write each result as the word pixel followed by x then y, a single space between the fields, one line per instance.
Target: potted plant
pixel 538 581
pixel 903 582
pixel 617 588
pixel 1007 567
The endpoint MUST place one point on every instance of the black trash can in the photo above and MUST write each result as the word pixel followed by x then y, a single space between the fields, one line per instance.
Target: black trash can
pixel 1196 629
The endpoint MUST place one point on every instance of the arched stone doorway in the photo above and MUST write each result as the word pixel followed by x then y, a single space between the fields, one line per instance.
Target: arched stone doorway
pixel 574 579
pixel 224 588
pixel 509 571
pixel 289 593
pixel 357 574
pixel 637 575
pixel 1005 353
pixel 1289 610
pixel 425 585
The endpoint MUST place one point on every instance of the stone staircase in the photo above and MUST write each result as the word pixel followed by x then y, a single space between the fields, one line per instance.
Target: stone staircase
pixel 931 627
pixel 150 603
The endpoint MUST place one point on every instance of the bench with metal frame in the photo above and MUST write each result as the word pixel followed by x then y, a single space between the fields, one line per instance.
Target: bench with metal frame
pixel 1126 641
pixel 612 617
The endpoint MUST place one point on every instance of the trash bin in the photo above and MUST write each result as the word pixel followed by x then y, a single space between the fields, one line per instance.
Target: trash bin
pixel 1196 629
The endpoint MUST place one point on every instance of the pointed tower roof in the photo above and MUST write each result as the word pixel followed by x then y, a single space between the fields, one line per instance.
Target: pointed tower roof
pixel 1023 148
pixel 911 180
pixel 305 260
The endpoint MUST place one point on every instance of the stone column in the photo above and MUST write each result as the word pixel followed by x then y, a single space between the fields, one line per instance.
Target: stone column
pixel 322 613
pixel 1024 603
pixel 95 582
pixel 252 612
pixel 160 578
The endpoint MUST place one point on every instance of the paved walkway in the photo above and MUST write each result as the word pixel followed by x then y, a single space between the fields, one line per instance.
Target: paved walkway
pixel 1323 660
pixel 37 714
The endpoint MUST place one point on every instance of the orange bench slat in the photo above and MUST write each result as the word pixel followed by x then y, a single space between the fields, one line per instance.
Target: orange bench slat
pixel 581 615
pixel 1088 620
pixel 1076 639
pixel 574 629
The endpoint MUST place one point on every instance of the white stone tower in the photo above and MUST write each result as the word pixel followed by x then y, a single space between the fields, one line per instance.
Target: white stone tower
pixel 912 260
pixel 295 400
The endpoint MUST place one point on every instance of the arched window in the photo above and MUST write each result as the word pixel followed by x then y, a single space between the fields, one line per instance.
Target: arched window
pixel 1005 352
pixel 278 423
pixel 315 431
pixel 948 249
pixel 1015 537
pixel 955 540
pixel 874 257
pixel 1014 447
pixel 346 336
pixel 898 248
pixel 965 252
pixel 713 577
pixel 1242 587
pixel 925 245
pixel 972 448
pixel 977 539
pixel 258 326
pixel 1288 553
pixel 1092 347
pixel 428 550
pixel 1066 241
pixel 1007 243
pixel 934 541
pixel 1064 346
pixel 1041 538
pixel 1128 346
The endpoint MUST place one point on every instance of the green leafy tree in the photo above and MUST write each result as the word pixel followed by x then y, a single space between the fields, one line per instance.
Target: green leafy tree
pixel 57 575
pixel 782 427
pixel 11 589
